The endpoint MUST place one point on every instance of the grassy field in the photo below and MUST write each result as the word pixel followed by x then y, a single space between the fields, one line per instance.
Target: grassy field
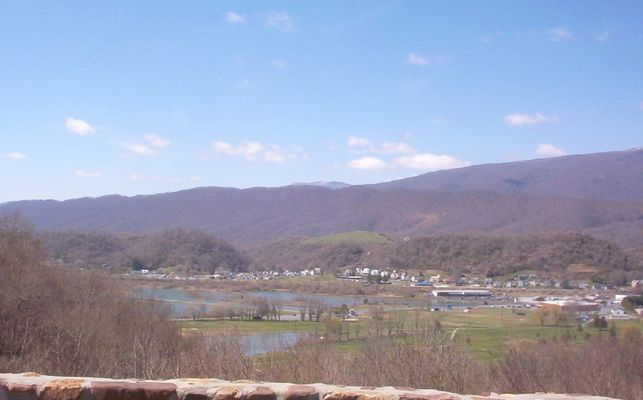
pixel 486 331
pixel 247 327
pixel 356 237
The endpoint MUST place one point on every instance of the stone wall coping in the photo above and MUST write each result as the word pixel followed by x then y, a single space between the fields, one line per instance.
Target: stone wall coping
pixel 32 386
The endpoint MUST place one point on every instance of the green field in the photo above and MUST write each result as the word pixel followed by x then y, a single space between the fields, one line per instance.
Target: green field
pixel 247 327
pixel 485 331
pixel 356 237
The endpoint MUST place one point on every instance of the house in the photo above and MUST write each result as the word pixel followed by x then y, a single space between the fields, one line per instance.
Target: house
pixel 618 298
pixel 618 313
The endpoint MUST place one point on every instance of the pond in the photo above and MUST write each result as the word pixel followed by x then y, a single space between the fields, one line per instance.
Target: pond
pixel 261 343
pixel 181 300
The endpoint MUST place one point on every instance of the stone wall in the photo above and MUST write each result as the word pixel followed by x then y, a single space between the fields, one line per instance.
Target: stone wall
pixel 31 386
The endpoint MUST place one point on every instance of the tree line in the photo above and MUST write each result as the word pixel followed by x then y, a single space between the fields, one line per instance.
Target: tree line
pixel 200 252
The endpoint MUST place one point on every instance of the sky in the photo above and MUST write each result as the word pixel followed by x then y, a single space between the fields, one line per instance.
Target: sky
pixel 136 97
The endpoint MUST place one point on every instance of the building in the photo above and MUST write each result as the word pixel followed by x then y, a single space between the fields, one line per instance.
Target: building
pixel 572 306
pixel 462 293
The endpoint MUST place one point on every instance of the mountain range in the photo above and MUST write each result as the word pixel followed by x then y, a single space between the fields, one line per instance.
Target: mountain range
pixel 598 194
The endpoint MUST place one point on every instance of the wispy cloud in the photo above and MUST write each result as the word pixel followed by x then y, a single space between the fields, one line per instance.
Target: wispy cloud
pixel 602 37
pixel 279 64
pixel 139 149
pixel 558 34
pixel 417 60
pixel 78 126
pixel 519 119
pixel 234 18
pixel 243 86
pixel 489 38
pixel 367 164
pixel 549 150
pixel 395 148
pixel 280 21
pixel 16 156
pixel 85 174
pixel 257 151
pixel 156 140
pixel 430 162
pixel 150 145
pixel 362 144
pixel 354 141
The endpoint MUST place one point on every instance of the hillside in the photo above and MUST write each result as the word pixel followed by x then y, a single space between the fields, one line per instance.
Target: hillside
pixel 246 217
pixel 195 251
pixel 598 194
pixel 561 255
pixel 613 176
pixel 558 255
pixel 356 237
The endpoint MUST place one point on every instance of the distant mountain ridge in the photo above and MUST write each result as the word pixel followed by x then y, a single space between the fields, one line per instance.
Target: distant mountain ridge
pixel 330 185
pixel 597 194
pixel 613 176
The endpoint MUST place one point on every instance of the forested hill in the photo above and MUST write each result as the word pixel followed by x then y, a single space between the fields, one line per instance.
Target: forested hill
pixel 568 255
pixel 597 194
pixel 190 250
pixel 614 176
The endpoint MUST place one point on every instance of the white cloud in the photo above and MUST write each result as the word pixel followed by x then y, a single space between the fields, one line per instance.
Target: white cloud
pixel 84 174
pixel 195 178
pixel 527 119
pixel 78 126
pixel 395 148
pixel 430 162
pixel 602 37
pixel 367 163
pixel 549 150
pixel 557 34
pixel 417 59
pixel 234 18
pixel 365 145
pixel 256 151
pixel 354 141
pixel 14 155
pixel 139 149
pixel 156 140
pixel 281 21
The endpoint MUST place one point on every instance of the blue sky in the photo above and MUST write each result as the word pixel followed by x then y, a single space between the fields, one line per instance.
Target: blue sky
pixel 153 96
